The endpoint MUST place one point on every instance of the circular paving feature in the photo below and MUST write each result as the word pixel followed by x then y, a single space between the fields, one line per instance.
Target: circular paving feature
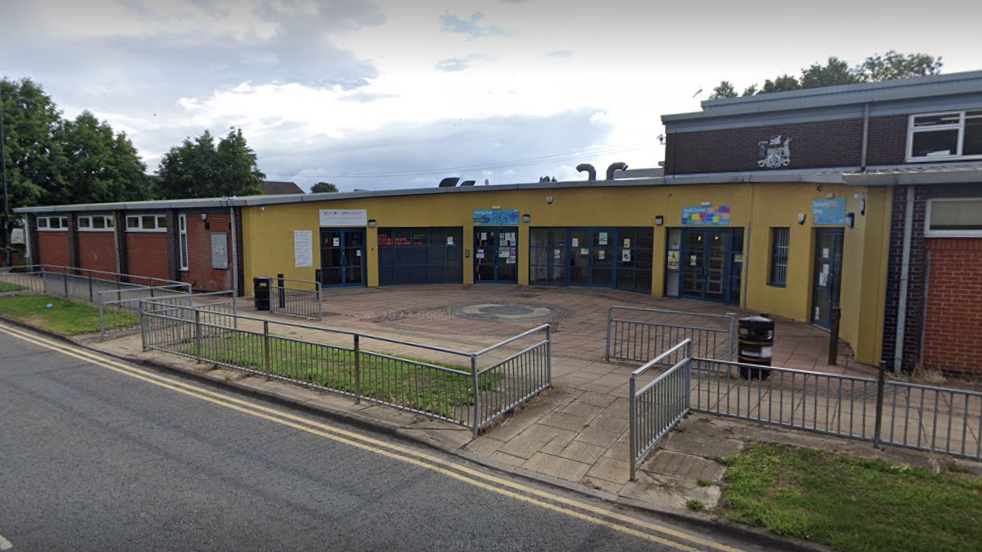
pixel 508 312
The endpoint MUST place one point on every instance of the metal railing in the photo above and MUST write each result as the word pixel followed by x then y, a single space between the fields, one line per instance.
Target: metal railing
pixel 85 284
pixel 659 405
pixel 882 411
pixel 21 279
pixel 299 298
pixel 639 334
pixel 450 385
pixel 119 311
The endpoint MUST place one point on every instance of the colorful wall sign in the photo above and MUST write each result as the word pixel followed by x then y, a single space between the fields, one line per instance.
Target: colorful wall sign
pixel 496 217
pixel 829 212
pixel 706 216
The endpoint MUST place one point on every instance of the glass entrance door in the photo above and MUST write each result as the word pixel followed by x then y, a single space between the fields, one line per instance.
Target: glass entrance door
pixel 342 257
pixel 711 264
pixel 496 255
pixel 827 277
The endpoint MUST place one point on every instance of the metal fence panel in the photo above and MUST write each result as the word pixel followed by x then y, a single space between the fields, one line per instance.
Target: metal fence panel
pixel 640 334
pixel 298 298
pixel 21 280
pixel 658 406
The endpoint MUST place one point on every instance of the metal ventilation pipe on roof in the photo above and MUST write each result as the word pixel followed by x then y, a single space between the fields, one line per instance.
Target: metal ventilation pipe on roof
pixel 587 168
pixel 618 166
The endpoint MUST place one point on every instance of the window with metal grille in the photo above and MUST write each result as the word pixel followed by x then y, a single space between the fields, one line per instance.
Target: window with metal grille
pixel 780 239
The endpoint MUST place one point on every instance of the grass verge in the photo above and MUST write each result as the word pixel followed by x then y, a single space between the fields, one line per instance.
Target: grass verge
pixel 851 504
pixel 397 380
pixel 64 317
pixel 7 287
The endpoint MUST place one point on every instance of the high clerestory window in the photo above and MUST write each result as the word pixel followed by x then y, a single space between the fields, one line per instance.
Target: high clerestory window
pixel 954 218
pixel 943 136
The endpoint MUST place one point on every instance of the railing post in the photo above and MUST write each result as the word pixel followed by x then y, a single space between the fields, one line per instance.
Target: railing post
pixel 477 396
pixel 633 425
pixel 90 288
pixel 549 354
pixel 266 347
pixel 610 316
pixel 688 377
pixel 102 319
pixel 143 327
pixel 732 338
pixel 64 274
pixel 320 305
pixel 281 294
pixel 834 336
pixel 357 369
pixel 880 387
pixel 197 332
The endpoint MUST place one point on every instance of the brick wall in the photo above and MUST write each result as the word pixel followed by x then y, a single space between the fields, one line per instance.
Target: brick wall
pixel 53 248
pixel 951 341
pixel 147 254
pixel 97 251
pixel 200 274
pixel 915 282
pixel 813 145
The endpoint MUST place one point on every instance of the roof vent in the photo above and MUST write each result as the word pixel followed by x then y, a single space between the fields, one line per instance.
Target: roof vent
pixel 619 166
pixel 587 168
pixel 449 182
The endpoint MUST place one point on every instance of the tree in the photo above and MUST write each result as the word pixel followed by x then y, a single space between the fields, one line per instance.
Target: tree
pixel 889 66
pixel 724 90
pixel 104 166
pixel 893 65
pixel 201 168
pixel 323 188
pixel 836 72
pixel 34 158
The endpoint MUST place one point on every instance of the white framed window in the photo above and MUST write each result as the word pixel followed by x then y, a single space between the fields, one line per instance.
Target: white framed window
pixel 954 218
pixel 95 223
pixel 53 223
pixel 182 227
pixel 146 223
pixel 944 136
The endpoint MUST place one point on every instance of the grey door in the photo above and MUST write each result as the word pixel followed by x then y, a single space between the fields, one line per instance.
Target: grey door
pixel 826 286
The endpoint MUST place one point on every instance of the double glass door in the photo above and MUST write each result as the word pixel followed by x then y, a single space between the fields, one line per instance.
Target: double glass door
pixel 342 257
pixel 591 257
pixel 711 264
pixel 496 255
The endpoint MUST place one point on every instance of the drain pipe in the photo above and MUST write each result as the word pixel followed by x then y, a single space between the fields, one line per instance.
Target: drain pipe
pixel 862 163
pixel 898 347
pixel 235 253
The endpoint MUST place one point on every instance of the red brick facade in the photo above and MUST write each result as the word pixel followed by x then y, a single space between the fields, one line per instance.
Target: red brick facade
pixel 147 254
pixel 53 248
pixel 200 274
pixel 953 317
pixel 97 251
pixel 825 144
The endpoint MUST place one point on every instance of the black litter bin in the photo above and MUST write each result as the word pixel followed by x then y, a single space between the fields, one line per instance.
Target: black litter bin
pixel 261 286
pixel 756 346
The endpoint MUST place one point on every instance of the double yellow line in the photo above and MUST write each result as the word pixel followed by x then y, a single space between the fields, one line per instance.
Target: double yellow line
pixel 573 508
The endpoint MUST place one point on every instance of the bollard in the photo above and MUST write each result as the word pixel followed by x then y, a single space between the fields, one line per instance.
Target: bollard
pixel 756 346
pixel 357 371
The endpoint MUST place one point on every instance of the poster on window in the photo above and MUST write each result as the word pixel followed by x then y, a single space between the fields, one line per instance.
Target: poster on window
pixel 601 254
pixel 626 256
pixel 603 238
pixel 303 248
pixel 673 260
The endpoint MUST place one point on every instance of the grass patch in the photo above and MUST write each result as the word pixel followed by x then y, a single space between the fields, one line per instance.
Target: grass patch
pixel 7 287
pixel 703 482
pixel 695 505
pixel 398 380
pixel 851 504
pixel 64 317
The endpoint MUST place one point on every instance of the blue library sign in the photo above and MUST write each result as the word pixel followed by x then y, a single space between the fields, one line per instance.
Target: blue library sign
pixel 829 212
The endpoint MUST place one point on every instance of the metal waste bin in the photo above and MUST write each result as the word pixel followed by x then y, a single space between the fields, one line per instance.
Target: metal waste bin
pixel 261 286
pixel 756 346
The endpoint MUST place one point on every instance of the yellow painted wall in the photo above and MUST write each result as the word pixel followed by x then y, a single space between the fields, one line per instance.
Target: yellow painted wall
pixel 756 208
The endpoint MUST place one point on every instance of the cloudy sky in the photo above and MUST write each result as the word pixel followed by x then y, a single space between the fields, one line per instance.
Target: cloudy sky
pixel 400 93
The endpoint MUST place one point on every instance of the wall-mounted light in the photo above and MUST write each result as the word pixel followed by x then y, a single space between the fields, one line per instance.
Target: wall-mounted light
pixel 526 219
pixel 372 223
pixel 862 207
pixel 802 217
pixel 204 216
pixel 659 220
pixel 549 200
pixel 850 219
pixel 706 203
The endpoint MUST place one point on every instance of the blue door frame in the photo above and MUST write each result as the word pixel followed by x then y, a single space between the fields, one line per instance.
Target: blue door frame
pixel 711 264
pixel 343 260
pixel 495 256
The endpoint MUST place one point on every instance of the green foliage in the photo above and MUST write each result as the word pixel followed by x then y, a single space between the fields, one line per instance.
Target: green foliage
pixel 724 90
pixel 202 168
pixel 34 157
pixel 703 482
pixel 323 188
pixel 695 505
pixel 7 287
pixel 889 66
pixel 851 504
pixel 104 166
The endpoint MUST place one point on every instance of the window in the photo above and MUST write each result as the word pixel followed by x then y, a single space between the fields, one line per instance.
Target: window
pixel 52 223
pixel 953 218
pixel 95 223
pixel 780 239
pixel 146 223
pixel 182 227
pixel 941 136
